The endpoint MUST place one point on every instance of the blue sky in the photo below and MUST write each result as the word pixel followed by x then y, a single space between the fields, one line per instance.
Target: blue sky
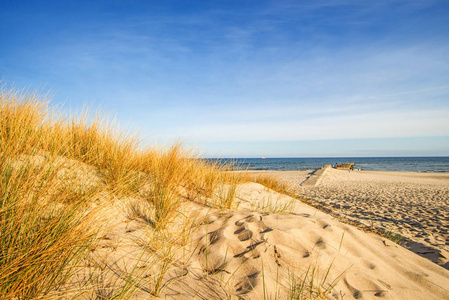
pixel 244 78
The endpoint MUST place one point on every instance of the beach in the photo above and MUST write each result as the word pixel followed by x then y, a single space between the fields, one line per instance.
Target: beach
pixel 88 216
pixel 411 204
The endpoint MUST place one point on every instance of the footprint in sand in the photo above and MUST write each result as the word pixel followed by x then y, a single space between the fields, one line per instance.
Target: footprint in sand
pixel 243 234
pixel 320 244
pixel 361 286
pixel 246 284
pixel 248 219
pixel 214 236
pixel 238 239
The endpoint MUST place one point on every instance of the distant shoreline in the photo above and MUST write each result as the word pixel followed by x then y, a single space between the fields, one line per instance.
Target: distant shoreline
pixel 385 164
pixel 355 170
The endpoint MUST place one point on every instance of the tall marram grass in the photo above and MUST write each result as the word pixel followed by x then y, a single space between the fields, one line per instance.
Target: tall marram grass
pixel 28 126
pixel 45 229
pixel 41 239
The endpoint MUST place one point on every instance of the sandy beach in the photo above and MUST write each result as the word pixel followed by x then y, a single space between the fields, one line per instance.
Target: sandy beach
pixel 414 205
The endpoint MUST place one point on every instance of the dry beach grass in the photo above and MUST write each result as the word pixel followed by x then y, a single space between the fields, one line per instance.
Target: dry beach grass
pixel 53 169
pixel 86 213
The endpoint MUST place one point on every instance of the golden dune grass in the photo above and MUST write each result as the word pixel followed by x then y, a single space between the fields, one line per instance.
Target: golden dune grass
pixel 44 226
pixel 60 176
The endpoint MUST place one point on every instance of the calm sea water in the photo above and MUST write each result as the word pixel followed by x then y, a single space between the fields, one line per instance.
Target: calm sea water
pixel 406 164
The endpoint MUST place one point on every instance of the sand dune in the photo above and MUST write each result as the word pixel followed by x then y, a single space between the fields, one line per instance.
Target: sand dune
pixel 250 253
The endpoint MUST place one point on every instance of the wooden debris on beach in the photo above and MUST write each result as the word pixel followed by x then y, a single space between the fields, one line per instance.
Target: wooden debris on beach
pixel 345 166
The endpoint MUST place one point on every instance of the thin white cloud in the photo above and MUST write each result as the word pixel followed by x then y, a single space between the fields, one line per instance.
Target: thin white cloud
pixel 368 125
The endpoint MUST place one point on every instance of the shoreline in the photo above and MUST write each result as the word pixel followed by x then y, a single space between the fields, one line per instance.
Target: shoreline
pixel 355 170
pixel 395 164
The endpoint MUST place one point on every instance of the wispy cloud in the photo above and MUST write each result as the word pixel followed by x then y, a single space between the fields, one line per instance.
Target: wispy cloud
pixel 383 125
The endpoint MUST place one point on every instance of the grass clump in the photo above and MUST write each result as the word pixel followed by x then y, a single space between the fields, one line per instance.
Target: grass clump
pixel 273 206
pixel 164 195
pixel 392 236
pixel 40 238
pixel 227 191
pixel 311 286
pixel 268 181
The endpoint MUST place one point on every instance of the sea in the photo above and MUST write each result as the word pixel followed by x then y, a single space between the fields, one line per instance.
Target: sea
pixel 402 164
